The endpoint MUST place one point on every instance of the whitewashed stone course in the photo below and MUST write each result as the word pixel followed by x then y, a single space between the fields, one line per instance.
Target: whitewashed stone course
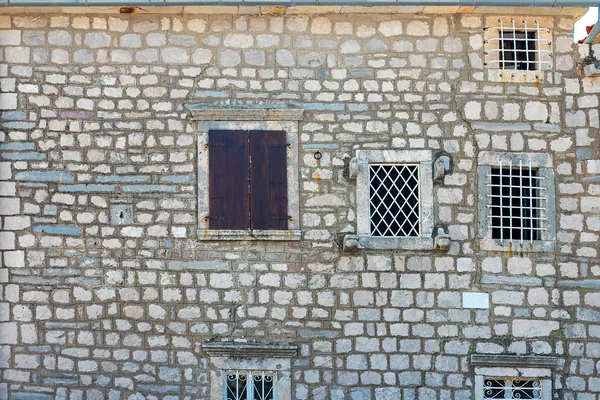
pixel 93 117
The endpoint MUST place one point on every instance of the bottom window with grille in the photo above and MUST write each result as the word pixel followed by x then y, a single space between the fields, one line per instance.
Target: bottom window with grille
pixel 516 202
pixel 250 385
pixel 394 200
pixel 512 388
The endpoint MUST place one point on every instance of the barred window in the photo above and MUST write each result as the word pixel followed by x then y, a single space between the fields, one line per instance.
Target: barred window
pixel 394 200
pixel 250 385
pixel 517 202
pixel 512 388
pixel 518 45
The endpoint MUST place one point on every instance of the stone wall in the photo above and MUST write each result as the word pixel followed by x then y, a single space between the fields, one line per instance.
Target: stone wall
pixel 93 117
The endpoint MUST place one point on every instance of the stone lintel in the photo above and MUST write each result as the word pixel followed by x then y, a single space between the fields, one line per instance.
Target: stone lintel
pixel 512 360
pixel 254 112
pixel 250 349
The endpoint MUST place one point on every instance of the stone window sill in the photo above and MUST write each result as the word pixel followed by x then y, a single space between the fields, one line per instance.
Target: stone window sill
pixel 510 76
pixel 537 246
pixel 287 235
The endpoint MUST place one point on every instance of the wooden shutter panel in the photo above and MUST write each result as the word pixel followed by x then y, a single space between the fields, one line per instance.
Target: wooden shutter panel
pixel 229 186
pixel 268 151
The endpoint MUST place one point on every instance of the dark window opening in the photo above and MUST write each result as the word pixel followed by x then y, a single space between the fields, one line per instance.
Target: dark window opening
pixel 516 204
pixel 518 50
pixel 394 200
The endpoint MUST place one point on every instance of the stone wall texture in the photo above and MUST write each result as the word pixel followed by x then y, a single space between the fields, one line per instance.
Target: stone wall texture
pixel 93 117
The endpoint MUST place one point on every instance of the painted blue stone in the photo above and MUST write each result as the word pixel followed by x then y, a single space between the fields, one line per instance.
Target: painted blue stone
pixel 17 146
pixel 13 115
pixel 317 146
pixel 50 209
pixel 358 107
pixel 361 73
pixel 71 230
pixel 30 396
pixel 211 93
pixel 40 176
pixel 18 125
pixel 322 73
pixel 33 280
pixel 87 188
pixel 177 179
pixel 62 272
pixel 123 178
pixel 322 106
pixel 24 156
pixel 149 188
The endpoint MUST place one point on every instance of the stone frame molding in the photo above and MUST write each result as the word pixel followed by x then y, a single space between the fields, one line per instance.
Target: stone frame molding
pixel 248 117
pixel 544 165
pixel 360 168
pixel 507 365
pixel 251 356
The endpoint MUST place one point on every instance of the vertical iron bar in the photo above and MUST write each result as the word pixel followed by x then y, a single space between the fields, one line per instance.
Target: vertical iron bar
pixel 514 34
pixel 501 49
pixel 501 208
pixel 533 195
pixel 539 45
pixel 526 46
pixel 510 199
pixel 521 210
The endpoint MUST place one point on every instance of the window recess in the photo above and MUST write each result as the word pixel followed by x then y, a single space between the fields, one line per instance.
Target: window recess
pixel 250 385
pixel 519 46
pixel 516 202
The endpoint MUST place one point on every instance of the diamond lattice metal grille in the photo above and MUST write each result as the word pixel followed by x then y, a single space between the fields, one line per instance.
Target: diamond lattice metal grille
pixel 512 388
pixel 394 200
pixel 250 385
pixel 517 204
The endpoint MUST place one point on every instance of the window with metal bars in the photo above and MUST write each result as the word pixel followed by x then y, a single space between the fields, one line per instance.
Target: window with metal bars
pixel 249 385
pixel 516 203
pixel 518 45
pixel 394 200
pixel 512 388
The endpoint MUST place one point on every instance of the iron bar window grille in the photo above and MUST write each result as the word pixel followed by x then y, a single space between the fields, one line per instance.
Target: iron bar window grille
pixel 250 385
pixel 517 203
pixel 519 47
pixel 512 388
pixel 394 200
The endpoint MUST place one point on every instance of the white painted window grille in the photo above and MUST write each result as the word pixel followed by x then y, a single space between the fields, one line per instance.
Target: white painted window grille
pixel 517 203
pixel 518 46
pixel 250 385
pixel 512 388
pixel 394 200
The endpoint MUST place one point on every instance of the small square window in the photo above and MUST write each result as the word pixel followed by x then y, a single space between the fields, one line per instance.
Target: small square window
pixel 517 50
pixel 516 201
pixel 250 385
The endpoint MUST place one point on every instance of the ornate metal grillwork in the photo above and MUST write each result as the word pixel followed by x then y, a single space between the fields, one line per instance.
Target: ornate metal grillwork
pixel 512 388
pixel 519 46
pixel 517 203
pixel 250 385
pixel 394 200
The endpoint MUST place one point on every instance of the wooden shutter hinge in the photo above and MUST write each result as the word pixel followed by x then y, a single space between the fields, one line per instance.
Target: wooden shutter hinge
pixel 289 217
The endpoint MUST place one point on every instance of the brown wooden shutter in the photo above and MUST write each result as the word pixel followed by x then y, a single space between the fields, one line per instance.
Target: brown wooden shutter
pixel 229 186
pixel 268 151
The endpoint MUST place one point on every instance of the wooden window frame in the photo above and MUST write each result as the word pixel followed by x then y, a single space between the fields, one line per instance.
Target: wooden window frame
pixel 293 232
